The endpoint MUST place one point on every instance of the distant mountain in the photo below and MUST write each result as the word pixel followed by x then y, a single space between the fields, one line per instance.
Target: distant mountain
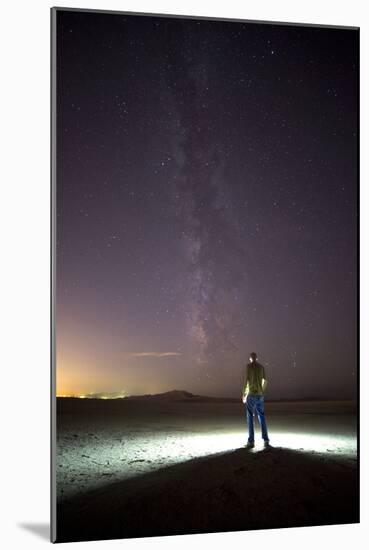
pixel 180 395
pixel 173 395
pixel 188 397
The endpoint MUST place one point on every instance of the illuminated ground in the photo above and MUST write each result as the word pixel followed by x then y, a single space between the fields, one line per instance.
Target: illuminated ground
pixel 111 451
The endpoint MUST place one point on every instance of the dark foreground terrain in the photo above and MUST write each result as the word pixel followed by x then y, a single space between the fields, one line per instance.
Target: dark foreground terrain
pixel 145 468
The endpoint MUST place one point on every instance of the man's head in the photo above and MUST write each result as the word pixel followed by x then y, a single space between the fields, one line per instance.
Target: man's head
pixel 253 357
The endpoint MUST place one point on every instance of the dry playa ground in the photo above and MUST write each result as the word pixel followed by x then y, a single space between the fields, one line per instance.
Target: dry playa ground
pixel 134 468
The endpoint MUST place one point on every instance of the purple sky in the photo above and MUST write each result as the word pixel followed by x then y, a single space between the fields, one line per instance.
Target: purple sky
pixel 207 205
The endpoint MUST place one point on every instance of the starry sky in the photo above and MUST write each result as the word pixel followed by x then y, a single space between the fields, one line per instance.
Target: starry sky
pixel 206 205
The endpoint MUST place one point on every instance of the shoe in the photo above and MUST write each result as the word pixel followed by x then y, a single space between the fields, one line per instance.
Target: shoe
pixel 250 445
pixel 266 443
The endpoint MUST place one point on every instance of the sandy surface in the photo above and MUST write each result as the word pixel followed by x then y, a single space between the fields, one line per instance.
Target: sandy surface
pixel 115 458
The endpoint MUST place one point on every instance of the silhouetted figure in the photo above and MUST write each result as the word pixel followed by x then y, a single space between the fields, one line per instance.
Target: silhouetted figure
pixel 253 391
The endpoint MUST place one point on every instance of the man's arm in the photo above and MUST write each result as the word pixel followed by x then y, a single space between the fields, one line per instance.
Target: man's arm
pixel 245 387
pixel 265 381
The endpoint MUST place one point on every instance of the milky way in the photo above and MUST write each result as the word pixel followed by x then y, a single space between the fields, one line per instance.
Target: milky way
pixel 206 205
pixel 215 275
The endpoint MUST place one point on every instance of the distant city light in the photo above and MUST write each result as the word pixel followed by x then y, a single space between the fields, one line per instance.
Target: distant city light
pixel 108 395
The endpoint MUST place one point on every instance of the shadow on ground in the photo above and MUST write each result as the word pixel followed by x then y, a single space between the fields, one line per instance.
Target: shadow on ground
pixel 233 491
pixel 42 530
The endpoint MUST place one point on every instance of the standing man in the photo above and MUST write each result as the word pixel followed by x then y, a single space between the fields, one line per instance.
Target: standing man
pixel 253 391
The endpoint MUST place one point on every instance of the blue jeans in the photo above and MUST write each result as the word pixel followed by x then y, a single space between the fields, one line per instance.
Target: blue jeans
pixel 256 402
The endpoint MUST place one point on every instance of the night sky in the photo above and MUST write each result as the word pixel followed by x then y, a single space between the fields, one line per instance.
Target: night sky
pixel 206 205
